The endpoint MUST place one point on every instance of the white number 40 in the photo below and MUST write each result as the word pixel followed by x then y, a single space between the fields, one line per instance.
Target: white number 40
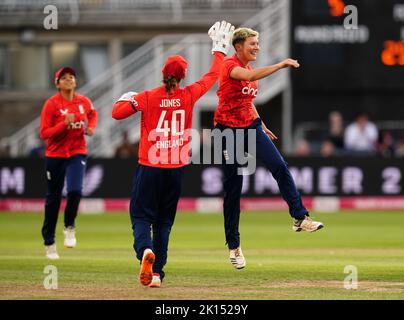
pixel 176 130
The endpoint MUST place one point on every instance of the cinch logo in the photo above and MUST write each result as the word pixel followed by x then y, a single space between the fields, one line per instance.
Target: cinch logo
pixel 250 91
pixel 77 125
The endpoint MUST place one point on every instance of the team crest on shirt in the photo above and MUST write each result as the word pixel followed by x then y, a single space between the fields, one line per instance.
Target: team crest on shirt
pixel 81 108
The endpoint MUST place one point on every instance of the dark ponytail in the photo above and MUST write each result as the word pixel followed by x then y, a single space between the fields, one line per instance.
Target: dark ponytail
pixel 170 82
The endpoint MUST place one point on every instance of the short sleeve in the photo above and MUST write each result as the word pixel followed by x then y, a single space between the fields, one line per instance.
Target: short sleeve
pixel 228 66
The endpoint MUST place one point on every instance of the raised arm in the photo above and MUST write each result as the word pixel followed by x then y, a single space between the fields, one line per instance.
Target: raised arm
pixel 221 34
pixel 199 88
pixel 243 74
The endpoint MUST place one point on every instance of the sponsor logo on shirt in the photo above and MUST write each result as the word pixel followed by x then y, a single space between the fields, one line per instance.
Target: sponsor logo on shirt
pixel 249 91
pixel 77 125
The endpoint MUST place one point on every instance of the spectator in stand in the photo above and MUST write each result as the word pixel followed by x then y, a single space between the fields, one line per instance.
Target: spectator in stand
pixel 336 130
pixel 361 136
pixel 303 148
pixel 385 146
pixel 399 152
pixel 126 149
pixel 327 149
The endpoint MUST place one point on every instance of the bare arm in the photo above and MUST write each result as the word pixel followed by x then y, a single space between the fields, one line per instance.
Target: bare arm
pixel 239 73
pixel 270 134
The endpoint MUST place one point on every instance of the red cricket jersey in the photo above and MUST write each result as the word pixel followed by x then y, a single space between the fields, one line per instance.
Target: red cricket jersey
pixel 166 120
pixel 65 141
pixel 235 97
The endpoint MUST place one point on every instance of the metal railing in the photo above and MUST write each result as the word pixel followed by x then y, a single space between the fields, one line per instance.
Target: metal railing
pixel 13 12
pixel 142 70
pixel 12 5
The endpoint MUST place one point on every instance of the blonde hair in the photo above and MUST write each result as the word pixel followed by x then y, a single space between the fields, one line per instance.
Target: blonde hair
pixel 241 34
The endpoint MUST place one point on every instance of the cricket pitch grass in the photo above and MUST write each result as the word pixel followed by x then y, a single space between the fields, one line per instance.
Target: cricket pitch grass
pixel 281 264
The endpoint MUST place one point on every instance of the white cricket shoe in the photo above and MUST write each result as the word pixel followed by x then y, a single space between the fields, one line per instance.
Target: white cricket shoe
pixel 307 224
pixel 156 281
pixel 70 237
pixel 51 252
pixel 237 258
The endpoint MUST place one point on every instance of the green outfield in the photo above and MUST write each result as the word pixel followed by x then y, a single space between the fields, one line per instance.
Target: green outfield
pixel 281 264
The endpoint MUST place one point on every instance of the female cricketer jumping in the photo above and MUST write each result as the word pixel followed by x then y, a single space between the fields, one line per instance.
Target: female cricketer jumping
pixel 66 117
pixel 164 151
pixel 238 86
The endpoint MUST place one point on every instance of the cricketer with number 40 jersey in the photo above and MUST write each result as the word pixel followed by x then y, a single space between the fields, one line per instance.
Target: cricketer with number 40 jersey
pixel 166 119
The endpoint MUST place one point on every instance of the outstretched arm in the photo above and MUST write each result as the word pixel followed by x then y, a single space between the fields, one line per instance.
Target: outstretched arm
pixel 243 74
pixel 125 106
